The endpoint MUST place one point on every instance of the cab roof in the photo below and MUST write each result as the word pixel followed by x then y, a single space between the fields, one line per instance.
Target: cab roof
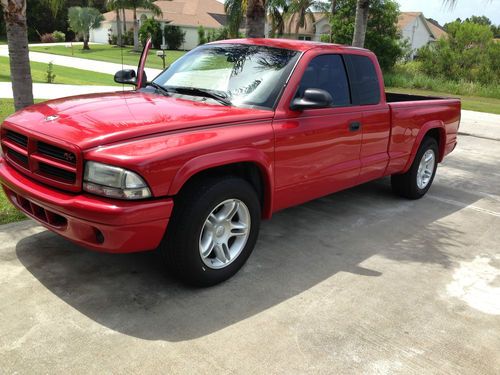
pixel 297 45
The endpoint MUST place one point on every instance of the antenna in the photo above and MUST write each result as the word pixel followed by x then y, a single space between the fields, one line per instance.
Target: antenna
pixel 121 53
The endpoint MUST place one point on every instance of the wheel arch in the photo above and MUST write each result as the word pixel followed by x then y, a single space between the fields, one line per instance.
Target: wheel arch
pixel 252 165
pixel 434 129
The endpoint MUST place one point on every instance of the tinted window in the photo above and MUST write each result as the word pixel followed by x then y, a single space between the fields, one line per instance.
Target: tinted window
pixel 327 72
pixel 364 81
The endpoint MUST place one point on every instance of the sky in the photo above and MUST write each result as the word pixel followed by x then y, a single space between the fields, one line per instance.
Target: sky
pixel 464 8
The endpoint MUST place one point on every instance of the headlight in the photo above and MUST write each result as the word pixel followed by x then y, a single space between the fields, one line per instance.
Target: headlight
pixel 114 182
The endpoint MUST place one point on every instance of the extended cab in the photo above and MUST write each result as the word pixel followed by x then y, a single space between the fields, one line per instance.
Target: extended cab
pixel 232 132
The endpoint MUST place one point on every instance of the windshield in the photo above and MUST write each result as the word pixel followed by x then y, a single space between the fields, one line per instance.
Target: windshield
pixel 244 75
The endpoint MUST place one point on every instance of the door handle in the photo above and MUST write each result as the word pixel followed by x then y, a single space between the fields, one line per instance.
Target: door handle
pixel 354 126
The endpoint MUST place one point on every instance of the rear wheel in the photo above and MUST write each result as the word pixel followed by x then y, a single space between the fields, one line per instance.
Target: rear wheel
pixel 418 179
pixel 213 230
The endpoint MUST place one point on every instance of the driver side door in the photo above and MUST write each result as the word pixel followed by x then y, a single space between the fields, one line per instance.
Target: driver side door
pixel 317 151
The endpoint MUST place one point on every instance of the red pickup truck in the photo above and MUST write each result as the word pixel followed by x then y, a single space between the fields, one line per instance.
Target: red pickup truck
pixel 190 162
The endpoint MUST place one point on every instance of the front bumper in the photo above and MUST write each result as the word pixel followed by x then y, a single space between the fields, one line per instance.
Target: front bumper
pixel 93 222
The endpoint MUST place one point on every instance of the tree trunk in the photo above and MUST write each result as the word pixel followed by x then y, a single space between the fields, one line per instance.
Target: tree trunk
pixel 14 12
pixel 334 5
pixel 358 39
pixel 124 21
pixel 136 31
pixel 256 18
pixel 86 42
pixel 118 28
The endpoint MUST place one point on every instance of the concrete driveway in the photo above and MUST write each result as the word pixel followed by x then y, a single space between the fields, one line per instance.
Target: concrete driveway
pixel 357 282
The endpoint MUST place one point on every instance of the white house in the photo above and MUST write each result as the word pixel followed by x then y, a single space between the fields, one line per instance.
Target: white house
pixel 413 27
pixel 187 14
pixel 419 32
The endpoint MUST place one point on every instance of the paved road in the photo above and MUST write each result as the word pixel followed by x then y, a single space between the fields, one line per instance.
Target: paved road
pixel 357 282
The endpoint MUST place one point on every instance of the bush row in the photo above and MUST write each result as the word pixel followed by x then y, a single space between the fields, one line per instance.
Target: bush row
pixel 54 37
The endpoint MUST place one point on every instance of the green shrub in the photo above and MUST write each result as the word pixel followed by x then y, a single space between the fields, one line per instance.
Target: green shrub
pixel 202 39
pixel 174 37
pixel 468 54
pixel 47 38
pixel 59 36
pixel 151 27
pixel 218 34
pixel 325 38
pixel 50 77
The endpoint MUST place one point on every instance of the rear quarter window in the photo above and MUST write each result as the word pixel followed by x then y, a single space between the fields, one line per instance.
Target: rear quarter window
pixel 363 78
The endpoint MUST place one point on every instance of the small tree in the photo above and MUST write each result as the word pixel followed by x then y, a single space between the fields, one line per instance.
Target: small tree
pixel 82 20
pixel 174 37
pixel 151 27
pixel 202 39
pixel 144 4
pixel 50 77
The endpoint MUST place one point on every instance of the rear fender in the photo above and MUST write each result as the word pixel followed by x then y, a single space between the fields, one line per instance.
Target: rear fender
pixel 435 124
pixel 222 158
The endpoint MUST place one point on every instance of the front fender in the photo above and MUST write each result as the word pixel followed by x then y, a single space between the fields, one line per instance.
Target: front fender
pixel 222 158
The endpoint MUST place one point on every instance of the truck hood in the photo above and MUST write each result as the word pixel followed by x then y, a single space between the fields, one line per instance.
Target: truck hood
pixel 93 120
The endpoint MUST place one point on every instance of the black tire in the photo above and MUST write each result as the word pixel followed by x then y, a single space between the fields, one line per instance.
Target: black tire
pixel 405 184
pixel 180 247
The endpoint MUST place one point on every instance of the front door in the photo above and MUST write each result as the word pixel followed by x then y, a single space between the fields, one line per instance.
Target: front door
pixel 317 151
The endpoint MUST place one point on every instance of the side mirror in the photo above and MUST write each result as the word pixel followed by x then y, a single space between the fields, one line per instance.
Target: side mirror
pixel 126 76
pixel 313 98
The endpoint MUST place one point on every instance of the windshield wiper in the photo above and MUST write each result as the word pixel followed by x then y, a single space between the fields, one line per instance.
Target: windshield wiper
pixel 200 92
pixel 160 88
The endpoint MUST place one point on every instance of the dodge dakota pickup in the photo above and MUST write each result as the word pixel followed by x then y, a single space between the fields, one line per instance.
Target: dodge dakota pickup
pixel 189 163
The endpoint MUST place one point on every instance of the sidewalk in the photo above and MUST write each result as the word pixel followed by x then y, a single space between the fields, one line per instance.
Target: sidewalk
pixel 54 91
pixel 479 124
pixel 79 63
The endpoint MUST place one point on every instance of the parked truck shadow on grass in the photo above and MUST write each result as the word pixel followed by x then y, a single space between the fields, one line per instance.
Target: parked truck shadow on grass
pixel 299 248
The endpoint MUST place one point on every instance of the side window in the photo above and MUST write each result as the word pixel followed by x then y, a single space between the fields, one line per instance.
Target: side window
pixel 327 72
pixel 364 81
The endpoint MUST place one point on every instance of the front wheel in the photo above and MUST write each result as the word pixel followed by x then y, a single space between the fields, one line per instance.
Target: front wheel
pixel 418 179
pixel 213 230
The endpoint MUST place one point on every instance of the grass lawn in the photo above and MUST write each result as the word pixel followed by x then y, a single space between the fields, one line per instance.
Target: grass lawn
pixel 64 75
pixel 8 213
pixel 104 52
pixel 472 103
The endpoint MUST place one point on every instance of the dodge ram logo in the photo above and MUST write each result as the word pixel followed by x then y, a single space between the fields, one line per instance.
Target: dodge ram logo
pixel 69 156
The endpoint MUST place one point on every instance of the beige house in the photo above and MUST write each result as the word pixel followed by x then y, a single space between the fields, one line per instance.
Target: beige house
pixel 187 14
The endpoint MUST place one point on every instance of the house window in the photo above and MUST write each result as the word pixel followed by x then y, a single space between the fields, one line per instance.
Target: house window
pixel 303 37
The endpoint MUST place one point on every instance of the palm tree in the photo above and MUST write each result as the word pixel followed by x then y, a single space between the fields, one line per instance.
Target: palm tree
pixel 144 4
pixel 82 20
pixel 277 10
pixel 14 13
pixel 300 11
pixel 361 22
pixel 55 6
pixel 256 18
pixel 235 9
pixel 117 6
